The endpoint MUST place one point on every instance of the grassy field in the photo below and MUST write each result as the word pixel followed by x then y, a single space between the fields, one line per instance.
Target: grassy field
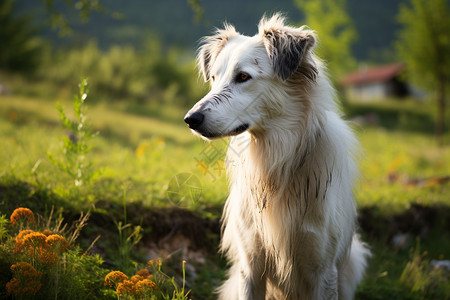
pixel 143 152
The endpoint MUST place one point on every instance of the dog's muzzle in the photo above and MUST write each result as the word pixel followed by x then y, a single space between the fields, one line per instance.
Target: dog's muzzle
pixel 194 120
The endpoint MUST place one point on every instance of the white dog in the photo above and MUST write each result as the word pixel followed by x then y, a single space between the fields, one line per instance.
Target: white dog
pixel 289 222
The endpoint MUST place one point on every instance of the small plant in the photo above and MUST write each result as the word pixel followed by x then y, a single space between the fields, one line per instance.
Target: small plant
pixel 422 279
pixel 149 283
pixel 26 281
pixel 44 260
pixel 129 237
pixel 76 143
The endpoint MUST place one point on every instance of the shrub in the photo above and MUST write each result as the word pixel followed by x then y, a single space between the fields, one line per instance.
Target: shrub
pixel 149 282
pixel 44 260
pixel 122 72
pixel 422 279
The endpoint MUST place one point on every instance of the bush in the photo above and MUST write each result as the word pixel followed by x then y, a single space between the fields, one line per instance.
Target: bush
pixel 123 72
pixel 420 278
pixel 20 49
pixel 44 261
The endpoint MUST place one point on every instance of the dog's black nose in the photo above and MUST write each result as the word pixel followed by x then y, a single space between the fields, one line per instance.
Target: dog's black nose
pixel 194 120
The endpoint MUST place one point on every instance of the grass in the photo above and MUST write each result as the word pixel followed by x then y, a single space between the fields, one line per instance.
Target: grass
pixel 150 165
pixel 395 164
pixel 137 154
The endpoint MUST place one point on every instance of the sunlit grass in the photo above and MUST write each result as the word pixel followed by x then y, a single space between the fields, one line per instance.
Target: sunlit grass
pixel 400 168
pixel 147 156
pixel 138 156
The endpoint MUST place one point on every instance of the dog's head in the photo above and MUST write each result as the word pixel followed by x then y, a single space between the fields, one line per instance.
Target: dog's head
pixel 248 76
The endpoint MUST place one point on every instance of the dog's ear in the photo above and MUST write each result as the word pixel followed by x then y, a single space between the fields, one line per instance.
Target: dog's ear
pixel 211 47
pixel 285 45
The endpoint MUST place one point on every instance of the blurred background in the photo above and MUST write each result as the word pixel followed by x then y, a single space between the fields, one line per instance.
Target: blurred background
pixel 92 99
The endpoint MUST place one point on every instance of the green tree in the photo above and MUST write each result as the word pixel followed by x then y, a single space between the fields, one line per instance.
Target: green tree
pixel 424 44
pixel 336 32
pixel 59 18
pixel 19 47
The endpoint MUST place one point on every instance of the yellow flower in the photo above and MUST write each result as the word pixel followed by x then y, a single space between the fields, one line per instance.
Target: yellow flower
pixel 126 287
pixel 22 213
pixel 144 273
pixel 30 240
pixel 146 285
pixel 47 232
pixel 35 240
pixel 26 280
pixel 18 245
pixel 114 278
pixel 47 257
pixel 142 148
pixel 154 262
pixel 23 233
pixel 57 243
pixel 13 286
pixel 136 278
pixel 22 267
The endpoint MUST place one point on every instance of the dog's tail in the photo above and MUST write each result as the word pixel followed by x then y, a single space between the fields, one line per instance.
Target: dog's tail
pixel 352 269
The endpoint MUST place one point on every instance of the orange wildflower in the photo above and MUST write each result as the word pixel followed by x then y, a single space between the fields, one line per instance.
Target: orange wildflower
pixel 46 256
pixel 114 278
pixel 19 243
pixel 146 285
pixel 24 268
pixel 22 213
pixel 136 278
pixel 23 233
pixel 154 262
pixel 26 280
pixel 47 232
pixel 144 273
pixel 34 240
pixel 13 286
pixel 126 287
pixel 57 243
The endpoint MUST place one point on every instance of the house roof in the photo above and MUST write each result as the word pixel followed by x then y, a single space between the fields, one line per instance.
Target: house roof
pixel 372 74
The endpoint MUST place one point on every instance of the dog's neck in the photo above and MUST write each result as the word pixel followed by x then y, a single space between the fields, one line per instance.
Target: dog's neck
pixel 278 157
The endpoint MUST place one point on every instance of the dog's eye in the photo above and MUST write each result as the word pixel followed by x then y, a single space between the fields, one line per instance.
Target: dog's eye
pixel 213 78
pixel 242 77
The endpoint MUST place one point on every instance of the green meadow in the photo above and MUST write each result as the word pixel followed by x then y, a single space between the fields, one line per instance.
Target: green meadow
pixel 106 194
pixel 147 171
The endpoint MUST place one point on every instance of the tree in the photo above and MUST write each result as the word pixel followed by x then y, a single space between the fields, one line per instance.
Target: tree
pixel 19 47
pixel 58 17
pixel 336 32
pixel 424 44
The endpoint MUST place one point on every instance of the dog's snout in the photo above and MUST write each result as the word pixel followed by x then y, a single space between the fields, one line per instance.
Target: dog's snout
pixel 194 120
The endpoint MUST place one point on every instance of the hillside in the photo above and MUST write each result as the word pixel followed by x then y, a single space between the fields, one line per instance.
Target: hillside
pixel 172 21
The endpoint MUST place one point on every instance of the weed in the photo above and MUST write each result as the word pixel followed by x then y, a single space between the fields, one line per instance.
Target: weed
pixel 3 228
pixel 150 282
pixel 129 237
pixel 422 279
pixel 76 144
pixel 44 260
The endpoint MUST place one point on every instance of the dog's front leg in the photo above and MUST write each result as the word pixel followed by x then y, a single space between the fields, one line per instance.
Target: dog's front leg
pixel 252 285
pixel 242 285
pixel 330 285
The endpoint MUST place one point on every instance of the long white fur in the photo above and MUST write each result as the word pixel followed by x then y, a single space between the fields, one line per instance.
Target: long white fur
pixel 289 221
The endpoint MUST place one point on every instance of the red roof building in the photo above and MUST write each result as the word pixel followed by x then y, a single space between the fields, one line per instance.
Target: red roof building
pixel 376 82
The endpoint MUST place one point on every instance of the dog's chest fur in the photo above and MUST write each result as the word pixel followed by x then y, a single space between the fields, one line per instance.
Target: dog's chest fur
pixel 281 208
